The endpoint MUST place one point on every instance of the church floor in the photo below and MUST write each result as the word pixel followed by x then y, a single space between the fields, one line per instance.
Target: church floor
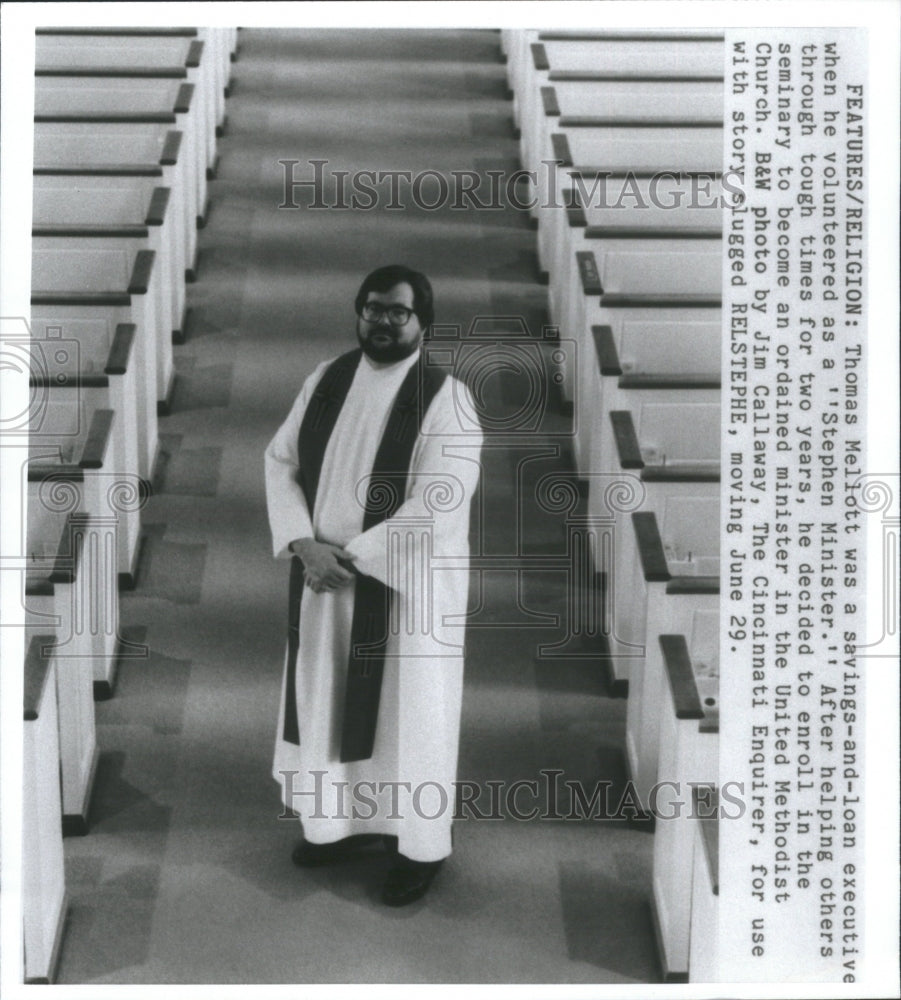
pixel 185 876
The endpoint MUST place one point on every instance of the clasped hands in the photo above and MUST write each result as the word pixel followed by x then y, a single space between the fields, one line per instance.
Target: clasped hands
pixel 323 568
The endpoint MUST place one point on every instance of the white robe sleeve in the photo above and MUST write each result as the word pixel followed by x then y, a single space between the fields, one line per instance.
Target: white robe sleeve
pixel 439 470
pixel 289 518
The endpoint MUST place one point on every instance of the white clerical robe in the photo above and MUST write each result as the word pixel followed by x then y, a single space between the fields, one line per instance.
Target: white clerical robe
pixel 421 552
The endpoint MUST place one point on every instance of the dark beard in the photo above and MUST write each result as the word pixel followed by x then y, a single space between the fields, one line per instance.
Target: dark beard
pixel 386 353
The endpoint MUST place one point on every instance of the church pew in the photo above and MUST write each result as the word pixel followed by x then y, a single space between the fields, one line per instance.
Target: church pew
pixel 582 154
pixel 704 950
pixel 220 44
pixel 651 287
pixel 43 870
pixel 64 205
pixel 652 749
pixel 515 44
pixel 64 596
pixel 76 242
pixel 132 60
pixel 567 105
pixel 95 155
pixel 652 347
pixel 100 372
pixel 667 429
pixel 666 567
pixel 648 207
pixel 112 287
pixel 557 57
pixel 95 101
pixel 73 461
pixel 689 754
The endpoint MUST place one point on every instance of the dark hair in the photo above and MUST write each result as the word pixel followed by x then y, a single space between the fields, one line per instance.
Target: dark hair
pixel 383 279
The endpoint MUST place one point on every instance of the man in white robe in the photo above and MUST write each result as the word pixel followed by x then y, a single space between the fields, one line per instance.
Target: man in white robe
pixel 403 784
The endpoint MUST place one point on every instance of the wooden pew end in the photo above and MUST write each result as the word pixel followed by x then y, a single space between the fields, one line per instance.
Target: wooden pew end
pixel 129 579
pixel 58 936
pixel 164 405
pixel 180 335
pixel 76 824
pixel 667 975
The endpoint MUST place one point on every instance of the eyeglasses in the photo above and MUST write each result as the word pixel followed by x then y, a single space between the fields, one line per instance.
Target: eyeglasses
pixel 373 312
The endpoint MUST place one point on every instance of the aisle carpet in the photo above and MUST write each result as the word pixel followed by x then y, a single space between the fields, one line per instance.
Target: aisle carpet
pixel 185 875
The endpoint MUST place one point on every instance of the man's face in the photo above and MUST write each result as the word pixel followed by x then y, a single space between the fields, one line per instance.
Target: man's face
pixel 383 337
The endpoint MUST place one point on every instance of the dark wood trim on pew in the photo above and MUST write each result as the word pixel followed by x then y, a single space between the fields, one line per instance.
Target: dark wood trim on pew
pixel 78 380
pixel 677 664
pixel 123 32
pixel 707 811
pixel 107 117
pixel 627 447
pixel 549 102
pixel 645 76
pixel 650 233
pixel 87 230
pixel 37 666
pixel 156 210
pixel 693 585
pixel 636 300
pixel 539 56
pixel 668 121
pixel 606 350
pixel 120 350
pixel 171 148
pixel 641 381
pixel 575 212
pixel 560 145
pixel 195 54
pixel 183 99
pixel 68 558
pixel 688 472
pixel 613 36
pixel 106 170
pixel 76 298
pixel 588 272
pixel 141 272
pixel 114 72
pixel 99 434
pixel 650 547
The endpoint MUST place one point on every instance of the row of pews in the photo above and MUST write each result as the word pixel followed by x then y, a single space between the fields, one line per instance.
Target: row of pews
pixel 624 135
pixel 125 137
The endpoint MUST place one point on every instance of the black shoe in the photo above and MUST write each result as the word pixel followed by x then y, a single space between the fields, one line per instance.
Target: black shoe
pixel 308 855
pixel 409 881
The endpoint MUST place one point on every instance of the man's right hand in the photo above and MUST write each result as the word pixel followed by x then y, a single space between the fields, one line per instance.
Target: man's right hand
pixel 322 564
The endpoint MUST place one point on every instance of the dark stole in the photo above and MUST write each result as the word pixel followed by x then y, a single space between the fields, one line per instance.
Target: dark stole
pixel 385 493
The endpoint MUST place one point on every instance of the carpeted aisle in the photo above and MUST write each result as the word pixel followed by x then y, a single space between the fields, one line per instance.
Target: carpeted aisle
pixel 185 876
